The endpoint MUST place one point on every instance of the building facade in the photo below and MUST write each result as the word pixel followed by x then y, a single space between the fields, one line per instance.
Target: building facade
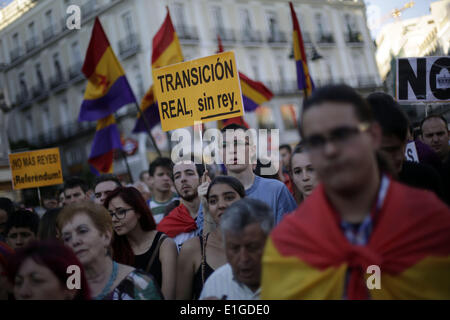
pixel 41 61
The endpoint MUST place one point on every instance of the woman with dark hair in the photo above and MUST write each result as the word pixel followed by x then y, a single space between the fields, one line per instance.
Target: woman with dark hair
pixel 137 242
pixel 6 208
pixel 39 272
pixel 302 173
pixel 200 256
pixel 86 227
pixel 47 225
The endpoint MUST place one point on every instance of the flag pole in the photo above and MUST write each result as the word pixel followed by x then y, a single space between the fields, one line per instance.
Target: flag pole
pixel 147 126
pixel 124 156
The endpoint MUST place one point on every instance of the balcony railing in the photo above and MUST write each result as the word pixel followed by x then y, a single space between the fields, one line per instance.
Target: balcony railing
pixel 58 82
pixel 49 33
pixel 354 37
pixel 186 33
pixel 277 37
pixel 63 133
pixel 23 99
pixel 226 35
pixel 129 46
pixel 251 36
pixel 75 72
pixel 31 44
pixel 324 38
pixel 39 91
pixel 16 53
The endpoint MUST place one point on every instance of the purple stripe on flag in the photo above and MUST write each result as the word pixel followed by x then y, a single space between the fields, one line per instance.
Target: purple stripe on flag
pixel 301 79
pixel 249 104
pixel 118 95
pixel 105 140
pixel 152 116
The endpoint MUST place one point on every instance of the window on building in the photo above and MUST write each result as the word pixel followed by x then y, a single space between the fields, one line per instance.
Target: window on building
pixel 57 66
pixel 273 25
pixel 246 21
pixel 127 21
pixel 29 127
pixel 49 19
pixel 76 53
pixel 218 19
pixel 265 118
pixel 179 14
pixel 45 119
pixel 255 67
pixel 15 40
pixel 139 81
pixel 39 77
pixel 289 114
pixel 320 24
pixel 31 31
pixel 23 85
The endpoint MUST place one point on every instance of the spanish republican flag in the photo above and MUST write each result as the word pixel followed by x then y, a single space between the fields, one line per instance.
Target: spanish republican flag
pixel 166 51
pixel 106 140
pixel 108 88
pixel 307 255
pixel 304 79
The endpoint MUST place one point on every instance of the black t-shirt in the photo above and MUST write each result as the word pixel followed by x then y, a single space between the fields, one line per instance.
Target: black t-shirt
pixel 422 176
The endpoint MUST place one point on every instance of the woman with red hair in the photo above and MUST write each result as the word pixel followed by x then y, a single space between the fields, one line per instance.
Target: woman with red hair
pixel 39 271
pixel 136 241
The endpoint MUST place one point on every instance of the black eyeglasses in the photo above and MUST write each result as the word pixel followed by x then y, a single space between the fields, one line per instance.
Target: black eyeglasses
pixel 119 213
pixel 337 136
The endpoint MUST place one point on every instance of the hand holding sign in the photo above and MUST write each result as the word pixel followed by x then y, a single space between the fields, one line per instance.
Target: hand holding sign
pixel 205 89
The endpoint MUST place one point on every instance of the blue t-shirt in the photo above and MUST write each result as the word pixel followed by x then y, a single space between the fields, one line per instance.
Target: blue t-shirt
pixel 275 194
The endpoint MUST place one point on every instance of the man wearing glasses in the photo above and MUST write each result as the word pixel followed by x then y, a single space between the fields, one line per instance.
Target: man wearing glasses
pixel 238 155
pixel 360 235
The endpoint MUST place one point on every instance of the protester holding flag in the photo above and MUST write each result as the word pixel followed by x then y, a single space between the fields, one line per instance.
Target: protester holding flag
pixel 358 220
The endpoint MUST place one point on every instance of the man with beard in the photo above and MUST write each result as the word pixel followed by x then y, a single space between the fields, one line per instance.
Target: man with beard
pixel 360 234
pixel 185 221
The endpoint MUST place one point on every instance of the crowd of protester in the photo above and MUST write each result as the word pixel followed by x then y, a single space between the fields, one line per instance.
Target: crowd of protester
pixel 344 198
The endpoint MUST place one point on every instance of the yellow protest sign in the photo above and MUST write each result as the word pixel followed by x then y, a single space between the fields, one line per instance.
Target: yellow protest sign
pixel 201 90
pixel 38 168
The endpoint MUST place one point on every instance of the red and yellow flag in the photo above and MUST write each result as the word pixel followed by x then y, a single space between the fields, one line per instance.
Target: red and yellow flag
pixel 307 256
pixel 166 51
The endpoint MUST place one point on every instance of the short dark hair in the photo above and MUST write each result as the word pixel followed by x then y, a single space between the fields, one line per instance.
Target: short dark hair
pixel 340 93
pixel 200 168
pixel 286 146
pixel 141 175
pixel 233 126
pixel 160 162
pixel 438 116
pixel 73 182
pixel 107 177
pixel 23 218
pixel 389 115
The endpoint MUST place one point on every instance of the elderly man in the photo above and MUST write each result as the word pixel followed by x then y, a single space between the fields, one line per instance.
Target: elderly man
pixel 360 234
pixel 245 226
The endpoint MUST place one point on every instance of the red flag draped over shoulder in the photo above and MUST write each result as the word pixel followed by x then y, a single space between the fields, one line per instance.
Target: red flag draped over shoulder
pixel 307 256
pixel 304 79
pixel 177 221
pixel 108 88
pixel 166 51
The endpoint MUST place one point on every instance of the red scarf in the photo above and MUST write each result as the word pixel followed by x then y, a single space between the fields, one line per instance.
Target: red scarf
pixel 178 221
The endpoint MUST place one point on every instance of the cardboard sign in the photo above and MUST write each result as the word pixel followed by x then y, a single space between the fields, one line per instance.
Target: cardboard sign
pixel 411 152
pixel 424 79
pixel 201 90
pixel 35 168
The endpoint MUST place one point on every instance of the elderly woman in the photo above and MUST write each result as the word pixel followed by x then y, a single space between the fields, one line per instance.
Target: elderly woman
pixel 200 256
pixel 87 228
pixel 137 242
pixel 302 173
pixel 39 272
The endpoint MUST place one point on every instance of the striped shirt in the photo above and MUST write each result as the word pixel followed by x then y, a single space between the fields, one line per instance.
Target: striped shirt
pixel 223 285
pixel 159 208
